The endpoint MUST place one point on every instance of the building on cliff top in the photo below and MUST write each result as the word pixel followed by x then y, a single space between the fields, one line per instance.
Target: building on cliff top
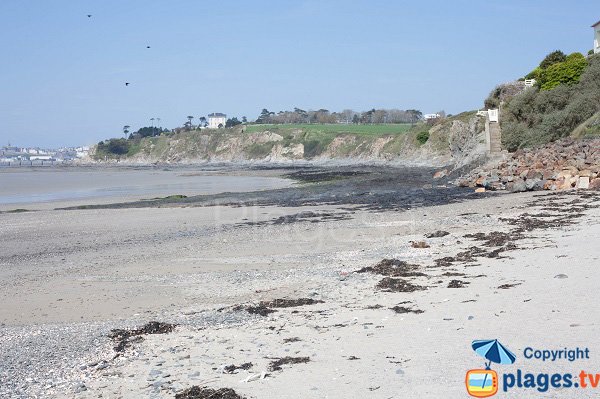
pixel 596 27
pixel 215 119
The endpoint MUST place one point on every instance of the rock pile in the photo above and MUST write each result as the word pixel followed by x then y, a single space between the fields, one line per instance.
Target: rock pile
pixel 561 165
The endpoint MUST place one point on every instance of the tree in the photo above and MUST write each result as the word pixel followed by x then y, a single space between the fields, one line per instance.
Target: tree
pixel 244 119
pixel 232 122
pixel 202 121
pixel 356 119
pixel 220 125
pixel 414 115
pixel 126 130
pixel 265 116
pixel 190 118
pixel 553 58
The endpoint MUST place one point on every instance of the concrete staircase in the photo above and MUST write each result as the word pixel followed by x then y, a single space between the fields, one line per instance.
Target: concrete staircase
pixel 495 138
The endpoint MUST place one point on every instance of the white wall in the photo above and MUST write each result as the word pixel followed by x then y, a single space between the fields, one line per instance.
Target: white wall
pixel 597 39
pixel 213 123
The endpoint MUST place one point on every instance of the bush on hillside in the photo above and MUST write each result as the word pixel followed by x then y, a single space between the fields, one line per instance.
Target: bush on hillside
pixel 553 58
pixel 567 72
pixel 423 137
pixel 113 147
pixel 536 117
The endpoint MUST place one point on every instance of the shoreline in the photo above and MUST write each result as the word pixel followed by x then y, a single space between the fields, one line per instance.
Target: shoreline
pixel 193 266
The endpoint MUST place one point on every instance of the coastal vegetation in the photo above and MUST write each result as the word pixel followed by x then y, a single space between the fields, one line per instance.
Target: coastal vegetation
pixel 566 96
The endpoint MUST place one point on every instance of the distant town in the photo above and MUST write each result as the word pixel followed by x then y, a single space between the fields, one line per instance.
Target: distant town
pixel 11 155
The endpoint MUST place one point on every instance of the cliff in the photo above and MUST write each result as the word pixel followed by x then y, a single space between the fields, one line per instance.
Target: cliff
pixel 454 140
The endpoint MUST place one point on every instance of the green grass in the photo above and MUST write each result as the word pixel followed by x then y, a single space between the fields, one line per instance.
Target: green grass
pixel 335 129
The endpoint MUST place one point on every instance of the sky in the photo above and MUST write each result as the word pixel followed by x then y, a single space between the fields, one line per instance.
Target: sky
pixel 62 74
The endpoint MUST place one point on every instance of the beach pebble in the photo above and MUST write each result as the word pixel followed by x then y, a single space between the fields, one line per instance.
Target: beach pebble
pixel 561 276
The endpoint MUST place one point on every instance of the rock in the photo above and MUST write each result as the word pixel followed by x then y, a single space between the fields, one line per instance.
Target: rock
pixel 583 183
pixel 440 173
pixel 517 186
pixel 480 190
pixel 595 184
pixel 561 276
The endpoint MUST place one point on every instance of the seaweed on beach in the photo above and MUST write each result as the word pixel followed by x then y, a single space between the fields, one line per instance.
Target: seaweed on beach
pixel 197 392
pixel 507 286
pixel 124 338
pixel 404 309
pixel 390 284
pixel 275 365
pixel 317 176
pixel 290 303
pixel 493 239
pixel 290 340
pixel 437 234
pixel 393 268
pixel 232 368
pixel 264 308
pixel 457 284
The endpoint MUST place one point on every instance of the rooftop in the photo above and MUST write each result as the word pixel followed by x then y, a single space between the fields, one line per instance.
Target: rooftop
pixel 596 24
pixel 217 115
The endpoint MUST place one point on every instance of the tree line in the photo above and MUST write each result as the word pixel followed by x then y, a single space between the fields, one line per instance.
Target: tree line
pixel 346 116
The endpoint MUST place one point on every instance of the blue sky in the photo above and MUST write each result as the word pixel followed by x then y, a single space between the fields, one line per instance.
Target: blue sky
pixel 62 75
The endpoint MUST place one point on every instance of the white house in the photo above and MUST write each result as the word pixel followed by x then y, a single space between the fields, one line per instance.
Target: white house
pixel 431 116
pixel 216 119
pixel 596 27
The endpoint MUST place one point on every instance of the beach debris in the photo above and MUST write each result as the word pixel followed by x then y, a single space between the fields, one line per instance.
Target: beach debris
pixel 403 309
pixel 437 234
pixel 390 284
pixel 255 377
pixel 125 338
pixel 277 363
pixel 561 276
pixel 292 339
pixel 419 244
pixel 393 268
pixel 353 358
pixel 374 307
pixel 457 284
pixel 197 392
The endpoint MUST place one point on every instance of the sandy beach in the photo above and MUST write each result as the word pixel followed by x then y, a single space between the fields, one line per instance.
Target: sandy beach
pixel 519 268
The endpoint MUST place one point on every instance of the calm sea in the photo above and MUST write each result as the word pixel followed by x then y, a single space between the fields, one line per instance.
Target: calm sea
pixel 22 186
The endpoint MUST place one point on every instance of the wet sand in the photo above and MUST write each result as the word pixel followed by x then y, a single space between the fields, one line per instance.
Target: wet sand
pixel 69 277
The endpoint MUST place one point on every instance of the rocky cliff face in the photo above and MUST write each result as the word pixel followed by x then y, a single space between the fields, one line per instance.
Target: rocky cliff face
pixel 454 140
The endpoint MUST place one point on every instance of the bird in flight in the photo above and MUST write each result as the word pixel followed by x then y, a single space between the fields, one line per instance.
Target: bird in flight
pixel 89 15
pixel 126 83
pixel 147 46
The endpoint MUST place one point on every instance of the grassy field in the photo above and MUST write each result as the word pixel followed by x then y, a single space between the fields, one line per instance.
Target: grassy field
pixel 335 129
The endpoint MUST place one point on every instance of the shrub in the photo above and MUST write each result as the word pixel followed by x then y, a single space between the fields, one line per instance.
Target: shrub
pixel 423 137
pixel 313 148
pixel 553 58
pixel 112 147
pixel 567 72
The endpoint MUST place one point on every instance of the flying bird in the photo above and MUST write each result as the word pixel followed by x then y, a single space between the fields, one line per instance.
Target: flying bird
pixel 89 15
pixel 147 46
pixel 126 83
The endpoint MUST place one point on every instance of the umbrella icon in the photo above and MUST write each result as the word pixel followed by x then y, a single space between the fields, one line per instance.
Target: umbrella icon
pixel 494 351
